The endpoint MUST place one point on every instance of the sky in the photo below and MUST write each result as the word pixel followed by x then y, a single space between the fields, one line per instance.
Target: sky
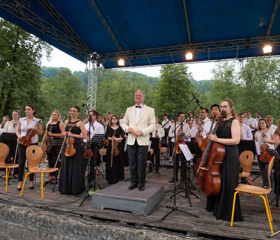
pixel 200 70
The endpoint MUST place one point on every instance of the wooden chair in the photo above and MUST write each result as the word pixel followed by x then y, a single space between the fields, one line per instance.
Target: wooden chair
pixel 34 157
pixel 4 151
pixel 246 160
pixel 260 191
pixel 103 152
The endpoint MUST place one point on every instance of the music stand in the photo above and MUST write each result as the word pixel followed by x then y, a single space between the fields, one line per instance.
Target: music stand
pixel 54 145
pixel 97 140
pixel 245 145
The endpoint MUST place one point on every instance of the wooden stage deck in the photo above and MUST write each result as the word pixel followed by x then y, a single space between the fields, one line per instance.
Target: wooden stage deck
pixel 255 225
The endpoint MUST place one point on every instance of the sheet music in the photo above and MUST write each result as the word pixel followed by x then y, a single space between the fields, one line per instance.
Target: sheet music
pixel 186 151
pixel 257 144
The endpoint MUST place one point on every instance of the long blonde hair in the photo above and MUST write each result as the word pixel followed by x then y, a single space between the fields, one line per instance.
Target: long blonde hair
pixel 50 120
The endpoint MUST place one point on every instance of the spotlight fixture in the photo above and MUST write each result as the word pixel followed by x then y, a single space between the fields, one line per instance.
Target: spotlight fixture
pixel 121 62
pixel 189 56
pixel 267 49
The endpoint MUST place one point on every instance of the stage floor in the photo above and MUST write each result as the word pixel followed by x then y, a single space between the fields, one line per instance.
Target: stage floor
pixel 255 225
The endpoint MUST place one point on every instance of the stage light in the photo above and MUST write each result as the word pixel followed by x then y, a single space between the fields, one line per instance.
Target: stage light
pixel 189 56
pixel 121 62
pixel 267 49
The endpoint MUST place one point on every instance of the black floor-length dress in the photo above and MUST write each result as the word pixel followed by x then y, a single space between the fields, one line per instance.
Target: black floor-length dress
pixel 221 205
pixel 72 180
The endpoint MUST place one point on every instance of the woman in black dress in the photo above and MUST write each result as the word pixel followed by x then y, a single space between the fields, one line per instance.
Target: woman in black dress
pixel 228 134
pixel 54 131
pixel 114 166
pixel 72 180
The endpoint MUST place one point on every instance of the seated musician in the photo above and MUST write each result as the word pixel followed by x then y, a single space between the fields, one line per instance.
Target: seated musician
pixel 264 136
pixel 246 133
pixel 182 131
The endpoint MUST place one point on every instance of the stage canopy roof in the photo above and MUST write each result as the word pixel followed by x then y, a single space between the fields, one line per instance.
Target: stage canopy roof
pixel 150 32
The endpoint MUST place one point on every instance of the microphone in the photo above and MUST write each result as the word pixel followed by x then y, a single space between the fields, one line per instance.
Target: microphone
pixel 85 103
pixel 196 100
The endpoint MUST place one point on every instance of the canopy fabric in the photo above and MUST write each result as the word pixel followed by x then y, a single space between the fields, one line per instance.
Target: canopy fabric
pixel 150 32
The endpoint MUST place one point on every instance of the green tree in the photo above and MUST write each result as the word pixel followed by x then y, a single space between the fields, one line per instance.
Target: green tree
pixel 173 90
pixel 20 55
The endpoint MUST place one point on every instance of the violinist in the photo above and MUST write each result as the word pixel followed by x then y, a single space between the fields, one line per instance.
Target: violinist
pixel 26 125
pixel 246 133
pixel 205 123
pixel 72 168
pixel 156 135
pixel 165 125
pixel 264 135
pixel 182 131
pixel 196 121
pixel 193 130
pixel 54 131
pixel 93 127
pixel 228 134
pixel 114 163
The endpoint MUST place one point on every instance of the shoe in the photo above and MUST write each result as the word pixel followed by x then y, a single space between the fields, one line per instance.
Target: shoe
pixel 141 188
pixel 157 172
pixel 31 187
pixel 172 180
pixel 19 189
pixel 132 186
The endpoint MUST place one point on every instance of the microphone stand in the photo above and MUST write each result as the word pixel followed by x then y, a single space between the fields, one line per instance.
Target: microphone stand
pixel 174 207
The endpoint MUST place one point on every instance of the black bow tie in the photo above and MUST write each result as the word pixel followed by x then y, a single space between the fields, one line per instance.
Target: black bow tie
pixel 138 106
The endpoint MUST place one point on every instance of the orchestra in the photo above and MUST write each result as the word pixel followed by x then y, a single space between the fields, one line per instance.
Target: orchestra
pixel 65 146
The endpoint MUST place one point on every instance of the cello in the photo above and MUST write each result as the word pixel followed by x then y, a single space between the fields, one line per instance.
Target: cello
pixel 209 179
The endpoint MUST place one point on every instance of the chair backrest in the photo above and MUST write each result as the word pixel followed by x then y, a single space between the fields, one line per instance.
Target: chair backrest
pixel 4 151
pixel 163 149
pixel 34 155
pixel 270 166
pixel 246 161
pixel 102 151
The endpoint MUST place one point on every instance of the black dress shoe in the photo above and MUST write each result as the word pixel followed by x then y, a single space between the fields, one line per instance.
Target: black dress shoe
pixel 19 189
pixel 132 186
pixel 172 180
pixel 31 187
pixel 141 188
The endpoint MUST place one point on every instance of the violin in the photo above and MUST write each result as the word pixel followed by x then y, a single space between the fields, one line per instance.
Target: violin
pixel 114 150
pixel 208 166
pixel 179 139
pixel 265 156
pixel 88 152
pixel 70 149
pixel 26 140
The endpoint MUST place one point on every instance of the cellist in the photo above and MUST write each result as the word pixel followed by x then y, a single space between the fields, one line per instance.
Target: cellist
pixel 182 131
pixel 228 134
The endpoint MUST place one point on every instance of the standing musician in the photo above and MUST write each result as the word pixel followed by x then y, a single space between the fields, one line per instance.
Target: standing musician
pixel 193 130
pixel 54 131
pixel 228 134
pixel 5 119
pixel 11 127
pixel 182 131
pixel 196 122
pixel 72 168
pixel 95 128
pixel 114 164
pixel 246 133
pixel 205 123
pixel 264 135
pixel 27 123
pixel 165 125
pixel 269 119
pixel 156 135
pixel 138 122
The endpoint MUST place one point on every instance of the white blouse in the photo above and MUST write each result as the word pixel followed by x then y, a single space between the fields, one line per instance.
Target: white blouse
pixel 24 127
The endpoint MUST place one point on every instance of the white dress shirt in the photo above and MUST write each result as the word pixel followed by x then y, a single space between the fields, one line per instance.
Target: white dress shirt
pixel 10 127
pixel 159 130
pixel 193 132
pixel 24 127
pixel 246 132
pixel 186 131
pixel 96 128
pixel 167 122
pixel 252 121
pixel 273 127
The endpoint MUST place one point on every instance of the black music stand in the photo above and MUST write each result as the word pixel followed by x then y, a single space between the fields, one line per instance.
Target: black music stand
pixel 245 145
pixel 54 145
pixel 174 207
pixel 97 140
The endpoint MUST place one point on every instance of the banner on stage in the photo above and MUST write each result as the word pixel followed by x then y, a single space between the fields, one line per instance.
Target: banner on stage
pixel 186 151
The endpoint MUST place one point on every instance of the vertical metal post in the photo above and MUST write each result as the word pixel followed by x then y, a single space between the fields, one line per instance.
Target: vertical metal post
pixel 93 70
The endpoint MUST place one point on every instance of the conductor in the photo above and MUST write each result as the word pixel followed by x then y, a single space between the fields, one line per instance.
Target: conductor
pixel 138 122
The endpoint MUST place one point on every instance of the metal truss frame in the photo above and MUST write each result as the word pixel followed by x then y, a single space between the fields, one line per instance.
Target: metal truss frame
pixel 93 67
pixel 226 45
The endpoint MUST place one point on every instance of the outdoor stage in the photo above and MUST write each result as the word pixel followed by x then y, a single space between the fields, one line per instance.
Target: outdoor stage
pixel 255 225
